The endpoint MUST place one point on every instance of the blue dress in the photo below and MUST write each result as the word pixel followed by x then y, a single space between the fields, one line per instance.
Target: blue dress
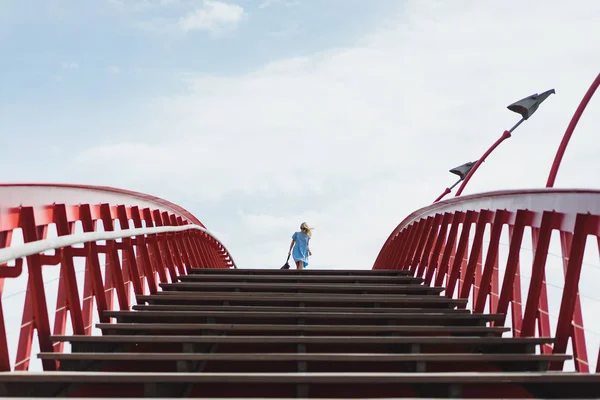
pixel 300 251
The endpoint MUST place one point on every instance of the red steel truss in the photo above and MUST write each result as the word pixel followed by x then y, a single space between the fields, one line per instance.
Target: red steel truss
pixel 436 243
pixel 136 263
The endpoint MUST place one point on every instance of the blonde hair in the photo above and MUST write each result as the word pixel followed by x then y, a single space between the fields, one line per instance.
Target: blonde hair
pixel 305 229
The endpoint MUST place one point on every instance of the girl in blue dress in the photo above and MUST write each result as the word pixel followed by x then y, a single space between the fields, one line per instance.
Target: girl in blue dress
pixel 301 250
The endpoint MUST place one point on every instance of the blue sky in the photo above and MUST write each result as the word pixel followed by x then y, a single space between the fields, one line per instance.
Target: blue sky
pixel 71 56
pixel 133 36
pixel 70 63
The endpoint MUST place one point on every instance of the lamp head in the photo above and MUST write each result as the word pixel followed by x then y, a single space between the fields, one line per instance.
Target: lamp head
pixel 527 106
pixel 463 170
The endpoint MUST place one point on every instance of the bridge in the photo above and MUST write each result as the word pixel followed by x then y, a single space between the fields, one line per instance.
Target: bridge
pixel 128 295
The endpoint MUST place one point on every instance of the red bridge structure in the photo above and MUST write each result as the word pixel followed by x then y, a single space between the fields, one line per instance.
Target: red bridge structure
pixel 109 293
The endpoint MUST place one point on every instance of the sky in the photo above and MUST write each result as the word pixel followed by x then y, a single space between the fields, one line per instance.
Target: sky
pixel 257 115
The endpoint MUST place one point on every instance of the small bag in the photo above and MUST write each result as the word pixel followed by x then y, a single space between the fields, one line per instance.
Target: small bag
pixel 287 264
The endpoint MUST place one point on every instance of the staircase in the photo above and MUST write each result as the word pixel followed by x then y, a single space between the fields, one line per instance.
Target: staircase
pixel 235 333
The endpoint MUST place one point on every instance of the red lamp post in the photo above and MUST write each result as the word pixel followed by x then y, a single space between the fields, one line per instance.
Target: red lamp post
pixel 526 107
pixel 569 132
pixel 461 171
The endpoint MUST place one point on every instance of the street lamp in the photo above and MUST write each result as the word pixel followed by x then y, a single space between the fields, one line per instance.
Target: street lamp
pixel 525 107
pixel 461 171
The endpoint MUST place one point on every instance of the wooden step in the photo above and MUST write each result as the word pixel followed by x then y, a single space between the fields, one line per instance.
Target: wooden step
pixel 294 328
pixel 382 340
pixel 314 362
pixel 402 279
pixel 312 344
pixel 304 287
pixel 307 271
pixel 374 297
pixel 307 385
pixel 374 310
pixel 233 317
pixel 262 298
pixel 357 378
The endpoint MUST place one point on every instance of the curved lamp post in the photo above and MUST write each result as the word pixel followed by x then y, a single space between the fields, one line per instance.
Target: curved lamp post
pixel 526 107
pixel 461 171
pixel 569 132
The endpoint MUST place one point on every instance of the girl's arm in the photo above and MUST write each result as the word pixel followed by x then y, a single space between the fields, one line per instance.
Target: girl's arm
pixel 291 247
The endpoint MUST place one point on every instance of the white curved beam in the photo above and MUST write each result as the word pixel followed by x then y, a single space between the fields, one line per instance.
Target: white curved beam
pixel 40 246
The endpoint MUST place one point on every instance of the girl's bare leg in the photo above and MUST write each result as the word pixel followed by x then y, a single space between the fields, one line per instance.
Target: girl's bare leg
pixel 299 264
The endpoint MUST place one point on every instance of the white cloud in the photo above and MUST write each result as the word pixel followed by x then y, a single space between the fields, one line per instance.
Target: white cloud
pixel 162 16
pixel 353 139
pixel 69 65
pixel 214 16
pixel 113 69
